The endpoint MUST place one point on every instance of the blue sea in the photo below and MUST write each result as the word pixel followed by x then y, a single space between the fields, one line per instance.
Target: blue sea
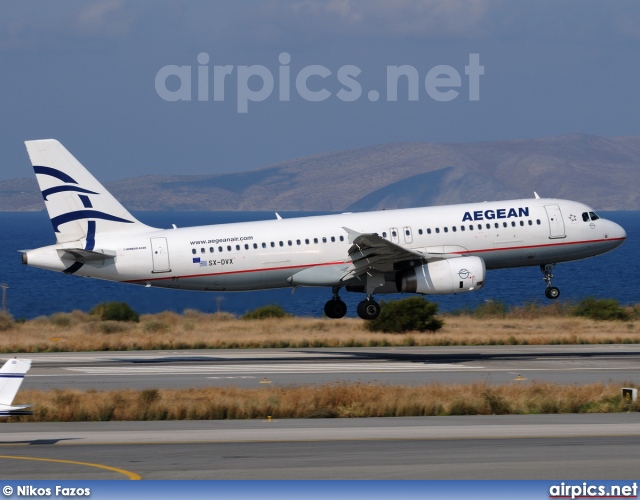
pixel 36 292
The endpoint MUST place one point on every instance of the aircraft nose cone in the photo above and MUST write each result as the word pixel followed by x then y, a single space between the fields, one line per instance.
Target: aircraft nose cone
pixel 618 232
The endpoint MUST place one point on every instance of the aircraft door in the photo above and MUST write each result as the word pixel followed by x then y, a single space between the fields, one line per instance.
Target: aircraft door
pixel 408 235
pixel 393 232
pixel 160 255
pixel 556 224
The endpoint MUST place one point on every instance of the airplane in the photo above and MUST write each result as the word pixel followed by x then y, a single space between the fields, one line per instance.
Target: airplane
pixel 430 250
pixel 11 376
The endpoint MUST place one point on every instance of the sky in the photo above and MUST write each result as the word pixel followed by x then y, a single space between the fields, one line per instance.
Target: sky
pixel 165 87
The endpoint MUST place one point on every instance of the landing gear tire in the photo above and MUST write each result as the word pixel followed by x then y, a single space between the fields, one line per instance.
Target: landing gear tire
pixel 552 292
pixel 368 309
pixel 335 309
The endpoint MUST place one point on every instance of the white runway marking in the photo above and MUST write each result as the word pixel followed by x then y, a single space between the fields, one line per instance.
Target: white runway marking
pixel 291 368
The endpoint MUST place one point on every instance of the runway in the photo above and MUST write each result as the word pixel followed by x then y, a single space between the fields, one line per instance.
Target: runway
pixel 500 447
pixel 406 365
pixel 493 447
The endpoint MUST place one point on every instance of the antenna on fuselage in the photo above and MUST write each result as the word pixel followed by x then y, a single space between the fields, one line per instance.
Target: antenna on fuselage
pixel 278 216
pixel 536 195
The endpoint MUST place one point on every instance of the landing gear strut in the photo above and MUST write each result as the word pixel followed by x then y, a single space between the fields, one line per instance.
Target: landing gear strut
pixel 335 308
pixel 551 292
pixel 368 308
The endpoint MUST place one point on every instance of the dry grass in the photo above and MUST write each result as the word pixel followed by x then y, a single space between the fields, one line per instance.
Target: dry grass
pixel 77 331
pixel 329 400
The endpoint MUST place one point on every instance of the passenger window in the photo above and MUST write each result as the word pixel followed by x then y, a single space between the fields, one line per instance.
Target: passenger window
pixel 219 249
pixel 229 248
pixel 298 242
pixel 384 234
pixel 470 227
pixel 246 247
pixel 488 226
pixel 522 223
pixel 306 241
pixel 255 246
pixel 497 225
pixel 504 224
pixel 315 240
pixel 480 227
pixel 407 232
pixel 585 217
pixel 594 216
pixel 193 251
pixel 446 229
pixel 419 231
pixel 341 238
pixel 538 222
pixel 394 234
pixel 429 231
pixel 202 250
pixel 454 229
pixel 237 247
pixel 264 245
pixel 281 243
pixel 530 222
pixel 324 239
pixel 333 239
pixel 273 244
pixel 437 230
pixel 210 249
pixel 513 223
pixel 290 243
pixel 461 228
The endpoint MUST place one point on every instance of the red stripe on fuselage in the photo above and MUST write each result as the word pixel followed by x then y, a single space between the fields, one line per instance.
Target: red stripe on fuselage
pixel 565 243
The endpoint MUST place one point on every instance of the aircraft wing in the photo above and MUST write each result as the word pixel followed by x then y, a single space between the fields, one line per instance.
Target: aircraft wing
pixel 370 251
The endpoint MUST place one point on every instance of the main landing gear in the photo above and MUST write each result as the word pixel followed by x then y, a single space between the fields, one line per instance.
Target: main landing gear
pixel 551 292
pixel 335 308
pixel 368 308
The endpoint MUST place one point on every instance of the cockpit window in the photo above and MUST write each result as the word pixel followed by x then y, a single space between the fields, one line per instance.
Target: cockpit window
pixel 594 216
pixel 585 216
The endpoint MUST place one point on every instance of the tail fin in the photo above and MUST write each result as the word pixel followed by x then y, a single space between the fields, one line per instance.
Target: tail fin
pixel 11 377
pixel 78 205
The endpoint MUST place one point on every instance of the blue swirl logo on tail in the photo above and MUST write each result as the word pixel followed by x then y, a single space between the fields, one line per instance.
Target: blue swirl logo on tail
pixel 87 213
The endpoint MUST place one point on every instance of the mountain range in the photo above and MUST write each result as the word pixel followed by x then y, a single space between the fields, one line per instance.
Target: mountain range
pixel 600 171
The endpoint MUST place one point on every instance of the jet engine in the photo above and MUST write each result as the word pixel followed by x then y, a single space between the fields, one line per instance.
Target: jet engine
pixel 455 275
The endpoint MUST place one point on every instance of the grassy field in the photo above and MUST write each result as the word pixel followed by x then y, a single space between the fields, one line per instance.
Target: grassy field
pixel 487 325
pixel 330 400
pixel 78 331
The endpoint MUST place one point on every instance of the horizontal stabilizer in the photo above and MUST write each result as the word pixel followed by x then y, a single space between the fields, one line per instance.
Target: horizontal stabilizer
pixel 81 255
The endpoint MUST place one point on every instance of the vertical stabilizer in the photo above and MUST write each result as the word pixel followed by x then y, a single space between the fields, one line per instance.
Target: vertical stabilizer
pixel 78 205
pixel 11 376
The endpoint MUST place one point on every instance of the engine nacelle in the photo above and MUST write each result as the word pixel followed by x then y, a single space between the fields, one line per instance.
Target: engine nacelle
pixel 461 274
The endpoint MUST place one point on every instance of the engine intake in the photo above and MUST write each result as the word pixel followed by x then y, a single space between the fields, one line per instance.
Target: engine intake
pixel 456 275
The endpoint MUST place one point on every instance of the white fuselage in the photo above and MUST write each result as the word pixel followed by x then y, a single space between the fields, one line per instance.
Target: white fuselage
pixel 266 254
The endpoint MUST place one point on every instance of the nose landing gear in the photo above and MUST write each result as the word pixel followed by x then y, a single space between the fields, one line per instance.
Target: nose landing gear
pixel 551 292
